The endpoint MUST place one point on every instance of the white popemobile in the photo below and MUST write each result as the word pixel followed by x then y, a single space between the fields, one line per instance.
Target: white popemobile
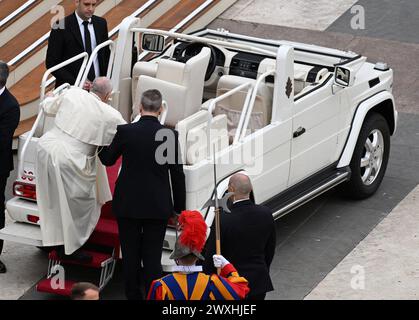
pixel 299 119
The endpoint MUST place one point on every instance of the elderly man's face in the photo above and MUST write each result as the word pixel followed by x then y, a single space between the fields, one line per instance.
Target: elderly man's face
pixel 86 8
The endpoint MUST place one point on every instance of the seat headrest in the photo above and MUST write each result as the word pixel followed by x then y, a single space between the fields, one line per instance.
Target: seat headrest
pixel 201 57
pixel 171 71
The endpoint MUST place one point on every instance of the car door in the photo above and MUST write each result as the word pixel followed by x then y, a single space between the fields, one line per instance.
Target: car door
pixel 315 131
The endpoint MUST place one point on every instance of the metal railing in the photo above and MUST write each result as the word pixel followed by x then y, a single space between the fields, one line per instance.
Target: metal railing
pixel 214 102
pixel 92 58
pixel 252 102
pixel 40 116
pixel 17 12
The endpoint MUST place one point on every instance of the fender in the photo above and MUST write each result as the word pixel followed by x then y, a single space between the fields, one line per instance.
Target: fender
pixel 361 112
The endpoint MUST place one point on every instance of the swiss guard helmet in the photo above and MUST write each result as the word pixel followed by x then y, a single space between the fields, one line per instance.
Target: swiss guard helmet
pixel 193 233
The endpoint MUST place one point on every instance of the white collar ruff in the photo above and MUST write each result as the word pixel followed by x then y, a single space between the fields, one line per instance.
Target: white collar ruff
pixel 187 269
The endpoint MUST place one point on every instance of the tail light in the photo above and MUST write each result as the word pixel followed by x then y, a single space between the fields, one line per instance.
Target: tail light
pixel 33 219
pixel 24 190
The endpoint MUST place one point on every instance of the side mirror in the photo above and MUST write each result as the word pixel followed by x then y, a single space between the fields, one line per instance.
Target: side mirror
pixel 344 77
pixel 152 43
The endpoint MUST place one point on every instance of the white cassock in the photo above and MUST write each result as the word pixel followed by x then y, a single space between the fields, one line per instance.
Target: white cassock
pixel 72 184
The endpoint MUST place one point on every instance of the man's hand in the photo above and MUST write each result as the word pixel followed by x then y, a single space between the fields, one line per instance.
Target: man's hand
pixel 49 94
pixel 219 261
pixel 87 85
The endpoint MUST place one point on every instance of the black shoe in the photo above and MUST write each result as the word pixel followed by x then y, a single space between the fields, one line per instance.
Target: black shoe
pixel 2 267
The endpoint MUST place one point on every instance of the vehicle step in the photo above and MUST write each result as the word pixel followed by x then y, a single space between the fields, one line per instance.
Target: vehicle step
pixel 98 259
pixel 306 190
pixel 45 286
pixel 106 234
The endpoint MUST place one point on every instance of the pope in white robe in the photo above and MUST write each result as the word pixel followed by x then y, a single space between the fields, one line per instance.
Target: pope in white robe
pixel 72 184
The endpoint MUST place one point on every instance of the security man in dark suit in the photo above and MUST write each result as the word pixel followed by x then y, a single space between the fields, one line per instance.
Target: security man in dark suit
pixel 80 32
pixel 9 120
pixel 142 200
pixel 248 238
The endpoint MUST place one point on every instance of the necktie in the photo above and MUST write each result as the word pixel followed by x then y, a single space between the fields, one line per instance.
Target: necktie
pixel 88 47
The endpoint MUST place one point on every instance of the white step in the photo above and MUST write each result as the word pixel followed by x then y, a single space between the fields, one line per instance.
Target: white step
pixel 22 233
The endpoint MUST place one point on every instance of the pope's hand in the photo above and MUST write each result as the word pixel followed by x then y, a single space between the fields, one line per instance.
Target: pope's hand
pixel 87 85
pixel 220 261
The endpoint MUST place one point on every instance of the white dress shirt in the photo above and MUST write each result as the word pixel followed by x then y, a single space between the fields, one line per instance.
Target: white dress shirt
pixel 92 37
pixel 241 200
pixel 2 90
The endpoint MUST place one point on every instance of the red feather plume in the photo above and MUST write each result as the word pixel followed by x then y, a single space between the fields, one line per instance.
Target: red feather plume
pixel 194 230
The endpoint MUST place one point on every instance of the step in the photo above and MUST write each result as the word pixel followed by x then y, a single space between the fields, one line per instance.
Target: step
pixel 45 286
pixel 27 89
pixel 106 234
pixel 9 6
pixel 24 18
pixel 307 189
pixel 98 259
pixel 14 5
pixel 24 126
pixel 31 34
pixel 177 14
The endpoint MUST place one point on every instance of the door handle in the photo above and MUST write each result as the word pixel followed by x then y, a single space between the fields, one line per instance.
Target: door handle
pixel 300 131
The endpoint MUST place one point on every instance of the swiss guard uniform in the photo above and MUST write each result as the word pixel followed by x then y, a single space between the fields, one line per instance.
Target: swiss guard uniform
pixel 189 282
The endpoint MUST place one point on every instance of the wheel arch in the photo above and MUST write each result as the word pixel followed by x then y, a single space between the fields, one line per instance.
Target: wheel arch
pixel 381 103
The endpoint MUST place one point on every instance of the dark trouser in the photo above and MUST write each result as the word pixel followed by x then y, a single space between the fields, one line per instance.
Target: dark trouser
pixel 3 182
pixel 141 241
pixel 256 297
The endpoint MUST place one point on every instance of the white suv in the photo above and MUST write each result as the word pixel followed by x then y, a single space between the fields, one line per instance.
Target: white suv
pixel 298 119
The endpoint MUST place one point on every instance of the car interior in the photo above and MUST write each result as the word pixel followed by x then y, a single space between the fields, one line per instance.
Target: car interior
pixel 191 74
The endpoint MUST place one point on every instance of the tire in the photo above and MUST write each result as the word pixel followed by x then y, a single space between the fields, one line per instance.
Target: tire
pixel 369 160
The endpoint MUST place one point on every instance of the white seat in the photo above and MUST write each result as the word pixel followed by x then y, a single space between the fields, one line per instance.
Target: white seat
pixel 233 105
pixel 197 140
pixel 142 68
pixel 187 124
pixel 193 136
pixel 181 84
pixel 304 75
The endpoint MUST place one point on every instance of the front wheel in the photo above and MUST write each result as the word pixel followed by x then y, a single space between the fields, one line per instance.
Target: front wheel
pixel 370 157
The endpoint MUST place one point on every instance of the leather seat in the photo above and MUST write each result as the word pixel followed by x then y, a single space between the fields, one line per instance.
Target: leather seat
pixel 306 75
pixel 232 106
pixel 193 136
pixel 181 84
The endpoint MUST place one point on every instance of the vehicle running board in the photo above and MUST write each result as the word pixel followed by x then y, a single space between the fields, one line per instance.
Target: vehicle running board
pixel 306 190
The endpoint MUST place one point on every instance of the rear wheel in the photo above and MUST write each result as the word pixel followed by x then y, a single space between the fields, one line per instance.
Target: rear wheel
pixel 370 157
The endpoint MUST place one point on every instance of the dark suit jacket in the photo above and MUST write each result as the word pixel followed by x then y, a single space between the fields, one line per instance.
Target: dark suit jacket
pixel 248 240
pixel 66 43
pixel 143 190
pixel 9 120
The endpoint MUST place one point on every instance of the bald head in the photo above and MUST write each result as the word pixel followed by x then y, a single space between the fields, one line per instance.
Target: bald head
pixel 241 185
pixel 102 87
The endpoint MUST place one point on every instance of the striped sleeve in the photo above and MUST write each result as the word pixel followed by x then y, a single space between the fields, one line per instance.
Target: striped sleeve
pixel 229 285
pixel 155 292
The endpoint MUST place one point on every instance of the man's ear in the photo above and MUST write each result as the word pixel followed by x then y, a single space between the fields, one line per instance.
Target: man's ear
pixel 108 97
